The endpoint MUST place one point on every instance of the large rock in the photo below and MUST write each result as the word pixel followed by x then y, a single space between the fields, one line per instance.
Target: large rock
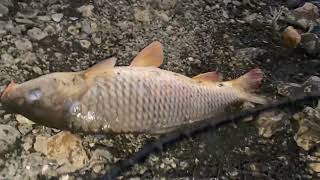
pixel 23 44
pixel 308 134
pixel 8 137
pixel 65 148
pixel 37 34
pixel 292 89
pixel 270 122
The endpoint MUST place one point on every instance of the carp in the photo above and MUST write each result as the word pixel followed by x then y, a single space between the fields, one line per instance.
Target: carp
pixel 139 98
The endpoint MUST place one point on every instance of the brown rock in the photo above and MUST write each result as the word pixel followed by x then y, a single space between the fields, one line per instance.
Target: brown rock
pixel 314 161
pixel 307 11
pixel 291 37
pixel 270 122
pixel 308 135
pixel 68 151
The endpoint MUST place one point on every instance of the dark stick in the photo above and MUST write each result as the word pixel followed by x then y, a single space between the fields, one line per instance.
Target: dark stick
pixel 203 126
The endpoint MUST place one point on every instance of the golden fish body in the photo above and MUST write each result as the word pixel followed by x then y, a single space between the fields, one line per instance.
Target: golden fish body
pixel 140 98
pixel 134 99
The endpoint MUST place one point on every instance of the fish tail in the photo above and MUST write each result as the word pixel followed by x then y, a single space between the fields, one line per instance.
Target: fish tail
pixel 248 84
pixel 254 98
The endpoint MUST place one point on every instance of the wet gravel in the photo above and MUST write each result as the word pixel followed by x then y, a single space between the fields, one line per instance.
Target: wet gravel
pixel 39 37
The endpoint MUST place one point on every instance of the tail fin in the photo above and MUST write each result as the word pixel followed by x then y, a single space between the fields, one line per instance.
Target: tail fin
pixel 249 83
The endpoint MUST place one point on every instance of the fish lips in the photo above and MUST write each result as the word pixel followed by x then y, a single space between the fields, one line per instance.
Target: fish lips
pixel 7 100
pixel 7 89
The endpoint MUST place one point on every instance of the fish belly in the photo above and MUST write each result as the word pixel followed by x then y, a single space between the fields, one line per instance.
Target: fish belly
pixel 146 100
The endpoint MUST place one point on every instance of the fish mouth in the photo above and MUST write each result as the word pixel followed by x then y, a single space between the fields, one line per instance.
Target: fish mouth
pixel 9 87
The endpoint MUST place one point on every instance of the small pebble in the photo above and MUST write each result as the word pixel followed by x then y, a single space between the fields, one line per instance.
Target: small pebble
pixel 86 10
pixel 57 17
pixel 37 34
pixel 23 44
pixel 85 43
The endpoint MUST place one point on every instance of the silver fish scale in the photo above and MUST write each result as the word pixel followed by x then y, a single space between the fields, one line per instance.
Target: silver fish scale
pixel 148 99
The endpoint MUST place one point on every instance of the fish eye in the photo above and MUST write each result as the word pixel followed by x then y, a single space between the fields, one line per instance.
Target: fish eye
pixel 34 95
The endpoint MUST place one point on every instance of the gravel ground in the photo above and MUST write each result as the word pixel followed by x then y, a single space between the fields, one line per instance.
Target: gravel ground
pixel 39 37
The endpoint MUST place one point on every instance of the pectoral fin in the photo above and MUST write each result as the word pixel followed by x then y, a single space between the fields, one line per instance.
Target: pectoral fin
pixel 152 55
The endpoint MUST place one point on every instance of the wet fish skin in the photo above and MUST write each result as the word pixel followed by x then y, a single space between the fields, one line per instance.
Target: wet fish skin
pixel 140 98
pixel 43 99
pixel 148 100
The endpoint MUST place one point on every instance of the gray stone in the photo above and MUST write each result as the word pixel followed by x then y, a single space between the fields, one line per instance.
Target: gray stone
pixel 37 70
pixel 308 134
pixel 33 164
pixel 89 27
pixel 101 154
pixel 2 27
pixel 163 16
pixel 37 34
pixel 44 18
pixel 57 17
pixel 19 29
pixel 6 59
pixel 123 25
pixel 50 29
pixel 26 58
pixel 28 142
pixel 142 15
pixel 8 137
pixel 99 158
pixel 309 42
pixel 227 1
pixel 40 144
pixel 292 89
pixel 30 13
pixel 7 3
pixel 73 30
pixel 97 40
pixel 250 52
pixel 10 169
pixel 25 128
pixel 314 81
pixel 86 10
pixel 288 89
pixel 8 25
pixel 271 122
pixel 24 21
pixel 58 55
pixel 225 14
pixel 85 43
pixel 167 4
pixel 23 44
pixel 23 120
pixel 3 10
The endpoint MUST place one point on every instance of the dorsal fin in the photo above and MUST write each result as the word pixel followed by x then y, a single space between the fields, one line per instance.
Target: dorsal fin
pixel 213 76
pixel 100 67
pixel 152 55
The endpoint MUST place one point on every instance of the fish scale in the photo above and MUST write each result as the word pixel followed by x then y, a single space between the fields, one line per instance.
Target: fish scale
pixel 148 99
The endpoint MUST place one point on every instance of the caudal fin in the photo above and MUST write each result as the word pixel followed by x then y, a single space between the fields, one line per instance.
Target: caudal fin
pixel 249 83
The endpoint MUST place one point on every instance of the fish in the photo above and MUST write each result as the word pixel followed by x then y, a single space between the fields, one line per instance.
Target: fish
pixel 138 98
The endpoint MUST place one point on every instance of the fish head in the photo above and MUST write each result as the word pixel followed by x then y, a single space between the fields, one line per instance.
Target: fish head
pixel 43 99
